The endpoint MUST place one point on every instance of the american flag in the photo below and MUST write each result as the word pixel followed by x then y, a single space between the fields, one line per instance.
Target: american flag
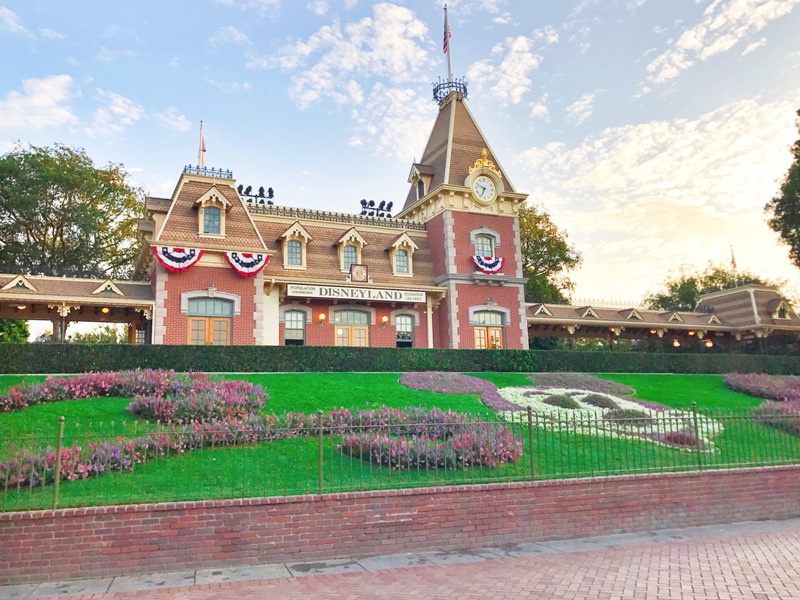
pixel 446 43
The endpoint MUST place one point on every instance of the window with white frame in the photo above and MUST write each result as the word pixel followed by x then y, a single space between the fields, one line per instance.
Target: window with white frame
pixel 295 246
pixel 484 245
pixel 294 253
pixel 294 328
pixel 212 221
pixel 404 326
pixel 350 256
pixel 402 252
pixel 401 260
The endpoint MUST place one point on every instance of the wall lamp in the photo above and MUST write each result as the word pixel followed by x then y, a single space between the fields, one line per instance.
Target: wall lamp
pixel 384 321
pixel 22 306
pixel 709 344
pixel 105 310
pixel 676 343
pixel 321 319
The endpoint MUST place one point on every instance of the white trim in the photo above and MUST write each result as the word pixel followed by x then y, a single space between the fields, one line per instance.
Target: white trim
pixel 473 235
pixel 295 307
pixel 186 296
pixel 332 310
pixel 404 311
pixel 489 308
pixel 25 283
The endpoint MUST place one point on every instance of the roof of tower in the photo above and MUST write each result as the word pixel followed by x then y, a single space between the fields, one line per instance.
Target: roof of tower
pixel 455 143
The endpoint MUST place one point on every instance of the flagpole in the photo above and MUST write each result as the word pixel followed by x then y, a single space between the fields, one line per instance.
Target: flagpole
pixel 447 47
pixel 201 154
pixel 733 266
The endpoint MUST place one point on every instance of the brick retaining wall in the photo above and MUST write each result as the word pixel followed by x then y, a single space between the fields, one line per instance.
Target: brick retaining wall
pixel 135 539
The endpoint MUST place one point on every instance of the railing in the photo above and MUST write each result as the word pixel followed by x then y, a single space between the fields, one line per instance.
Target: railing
pixel 333 217
pixel 131 462
pixel 208 172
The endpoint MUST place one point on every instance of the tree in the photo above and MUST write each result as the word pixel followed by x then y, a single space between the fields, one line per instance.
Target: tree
pixel 683 292
pixel 61 215
pixel 13 331
pixel 785 207
pixel 547 257
pixel 107 334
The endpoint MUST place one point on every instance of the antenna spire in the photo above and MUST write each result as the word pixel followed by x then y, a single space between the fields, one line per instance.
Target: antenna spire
pixel 201 154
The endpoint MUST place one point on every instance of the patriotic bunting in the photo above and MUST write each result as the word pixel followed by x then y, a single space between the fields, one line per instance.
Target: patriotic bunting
pixel 177 259
pixel 247 264
pixel 489 264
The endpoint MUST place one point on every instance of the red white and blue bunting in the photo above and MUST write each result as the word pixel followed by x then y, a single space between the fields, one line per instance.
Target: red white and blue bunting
pixel 177 259
pixel 489 264
pixel 247 264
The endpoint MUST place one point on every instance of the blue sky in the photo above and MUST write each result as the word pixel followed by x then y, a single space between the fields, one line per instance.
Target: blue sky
pixel 653 132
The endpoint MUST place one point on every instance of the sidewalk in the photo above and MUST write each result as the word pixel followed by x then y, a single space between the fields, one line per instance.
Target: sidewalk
pixel 727 562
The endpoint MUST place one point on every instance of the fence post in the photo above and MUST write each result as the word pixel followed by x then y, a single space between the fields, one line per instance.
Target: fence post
pixel 697 436
pixel 530 442
pixel 319 462
pixel 59 446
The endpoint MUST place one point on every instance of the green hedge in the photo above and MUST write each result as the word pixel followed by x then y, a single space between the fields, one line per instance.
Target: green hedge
pixel 73 358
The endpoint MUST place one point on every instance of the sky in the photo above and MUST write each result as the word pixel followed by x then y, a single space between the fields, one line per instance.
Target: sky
pixel 652 131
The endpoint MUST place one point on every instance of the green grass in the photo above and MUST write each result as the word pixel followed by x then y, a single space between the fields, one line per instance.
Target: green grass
pixel 291 466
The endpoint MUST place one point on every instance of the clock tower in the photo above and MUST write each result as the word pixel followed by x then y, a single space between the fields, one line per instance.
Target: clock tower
pixel 470 208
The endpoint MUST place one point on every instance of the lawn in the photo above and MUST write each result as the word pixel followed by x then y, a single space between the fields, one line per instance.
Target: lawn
pixel 292 466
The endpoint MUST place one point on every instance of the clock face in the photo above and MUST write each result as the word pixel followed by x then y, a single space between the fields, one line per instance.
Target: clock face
pixel 483 188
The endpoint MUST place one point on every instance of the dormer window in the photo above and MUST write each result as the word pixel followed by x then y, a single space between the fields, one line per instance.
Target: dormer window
pixel 211 209
pixel 420 189
pixel 402 253
pixel 782 314
pixel 212 222
pixel 350 246
pixel 295 239
pixel 350 257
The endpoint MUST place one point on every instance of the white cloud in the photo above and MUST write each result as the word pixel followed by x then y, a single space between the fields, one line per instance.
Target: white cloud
pixel 172 119
pixel 233 87
pixel 43 104
pixel 393 121
pixel 508 77
pixel 107 55
pixel 641 199
pixel 10 23
pixel 754 46
pixel 51 34
pixel 548 34
pixel 581 109
pixel 724 24
pixel 118 113
pixel 265 7
pixel 348 4
pixel 229 35
pixel 318 7
pixel 386 45
pixel 539 109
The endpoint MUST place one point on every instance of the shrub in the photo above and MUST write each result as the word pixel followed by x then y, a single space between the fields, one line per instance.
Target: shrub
pixel 629 416
pixel 600 401
pixel 682 439
pixel 769 387
pixel 561 401
pixel 783 416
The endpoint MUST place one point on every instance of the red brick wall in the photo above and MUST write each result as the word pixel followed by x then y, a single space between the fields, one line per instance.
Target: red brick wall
pixel 104 541
pixel 379 337
pixel 436 243
pixel 198 278
pixel 477 295
pixel 464 223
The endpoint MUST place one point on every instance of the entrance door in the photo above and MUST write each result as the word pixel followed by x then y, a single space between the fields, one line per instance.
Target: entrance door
pixel 488 330
pixel 352 328
pixel 205 331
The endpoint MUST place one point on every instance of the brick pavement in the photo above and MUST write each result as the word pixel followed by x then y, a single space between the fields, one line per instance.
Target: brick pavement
pixel 746 561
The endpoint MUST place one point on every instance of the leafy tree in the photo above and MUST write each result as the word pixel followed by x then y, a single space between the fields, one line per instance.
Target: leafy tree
pixel 547 257
pixel 107 334
pixel 13 331
pixel 785 207
pixel 683 292
pixel 61 215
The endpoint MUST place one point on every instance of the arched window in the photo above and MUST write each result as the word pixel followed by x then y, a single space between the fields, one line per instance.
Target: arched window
pixel 294 253
pixel 401 260
pixel 484 245
pixel 211 220
pixel 420 189
pixel 488 329
pixel 404 325
pixel 210 321
pixel 351 328
pixel 350 254
pixel 294 328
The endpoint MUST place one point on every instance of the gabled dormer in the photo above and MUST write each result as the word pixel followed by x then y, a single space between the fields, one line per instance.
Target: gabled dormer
pixel 108 288
pixel 401 253
pixel 349 247
pixel 631 314
pixel 674 317
pixel 587 312
pixel 542 311
pixel 713 320
pixel 420 179
pixel 20 283
pixel 211 210
pixel 295 246
pixel 779 309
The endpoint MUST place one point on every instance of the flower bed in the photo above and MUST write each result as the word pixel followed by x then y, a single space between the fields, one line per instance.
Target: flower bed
pixel 587 412
pixel 769 387
pixel 456 383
